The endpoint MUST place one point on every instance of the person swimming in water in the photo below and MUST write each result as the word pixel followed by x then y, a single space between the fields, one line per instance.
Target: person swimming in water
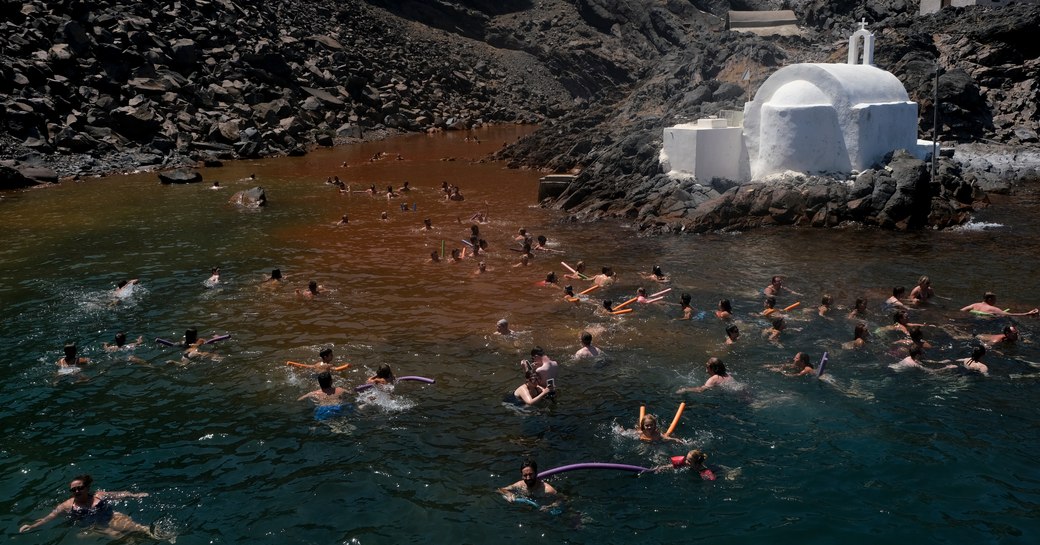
pixel 1007 337
pixel 119 343
pixel 895 302
pixel 312 291
pixel 275 279
pixel 922 292
pixel 502 327
pixel 859 309
pixel 71 361
pixel 648 431
pixel 125 288
pixel 579 272
pixel 988 306
pixel 825 305
pixel 732 334
pixel 684 304
pixel 656 274
pixel 717 377
pixel 606 278
pixel 530 392
pixel 799 367
pixel 587 350
pixel 530 487
pixel 384 375
pixel 725 310
pixel 329 398
pixel 694 460
pixel 94 510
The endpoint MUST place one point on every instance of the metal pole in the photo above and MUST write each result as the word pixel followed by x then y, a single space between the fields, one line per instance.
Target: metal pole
pixel 935 122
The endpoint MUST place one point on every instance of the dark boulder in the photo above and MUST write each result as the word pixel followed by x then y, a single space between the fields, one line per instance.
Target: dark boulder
pixel 180 176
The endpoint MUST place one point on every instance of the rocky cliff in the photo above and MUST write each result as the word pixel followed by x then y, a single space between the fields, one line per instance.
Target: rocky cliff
pixel 88 88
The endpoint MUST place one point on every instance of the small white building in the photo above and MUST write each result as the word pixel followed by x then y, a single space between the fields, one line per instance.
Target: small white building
pixel 812 118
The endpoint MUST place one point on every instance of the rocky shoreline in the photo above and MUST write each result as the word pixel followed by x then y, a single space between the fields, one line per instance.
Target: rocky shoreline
pixel 88 89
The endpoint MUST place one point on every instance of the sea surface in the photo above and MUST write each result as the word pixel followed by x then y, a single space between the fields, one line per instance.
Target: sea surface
pixel 864 454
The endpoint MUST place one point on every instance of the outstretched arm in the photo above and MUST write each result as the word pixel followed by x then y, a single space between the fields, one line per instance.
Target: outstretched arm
pixel 57 512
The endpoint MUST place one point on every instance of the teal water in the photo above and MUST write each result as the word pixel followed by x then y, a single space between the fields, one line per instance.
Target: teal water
pixel 229 456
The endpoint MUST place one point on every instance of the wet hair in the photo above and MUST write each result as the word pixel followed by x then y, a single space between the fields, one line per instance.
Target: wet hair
pixel 648 418
pixel 483 244
pixel 827 300
pixel 86 479
pixel 684 300
pixel 641 291
pixel 696 457
pixel 474 230
pixel 860 332
pixel 586 338
pixel 70 349
pixel 434 256
pixel 860 302
pixel 916 335
pixel 527 248
pixel 609 305
pixel 730 330
pixel 657 271
pixel 803 359
pixel 542 240
pixel 551 278
pixel 312 286
pixel 1010 330
pixel 276 274
pixel 427 221
pixel 214 270
pixel 989 295
pixel 580 266
pixel 977 352
pixel 325 352
pixel 529 463
pixel 120 338
pixel 770 302
pixel 725 306
pixel 325 379
pixel 455 254
pixel 778 323
pixel 898 290
pixel 607 271
pixel 924 280
pixel 537 352
pixel 384 372
pixel 521 231
pixel 899 317
pixel 121 283
pixel 775 279
pixel 191 335
pixel 716 367
pixel 568 290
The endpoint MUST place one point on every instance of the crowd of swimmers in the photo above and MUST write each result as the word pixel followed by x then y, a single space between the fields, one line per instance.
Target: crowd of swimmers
pixel 540 372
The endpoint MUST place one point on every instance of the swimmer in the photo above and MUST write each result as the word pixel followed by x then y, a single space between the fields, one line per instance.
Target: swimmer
pixel 521 235
pixel 546 368
pixel 825 305
pixel 328 398
pixel 608 305
pixel 343 221
pixel 568 294
pixel 405 188
pixel 530 392
pixel 325 363
pixel 125 288
pixel 214 278
pixel 542 245
pixel 71 358
pixel 502 327
pixel 656 274
pixel 312 291
pixel 684 303
pixel 800 366
pixel 384 375
pixel 216 185
pixel 455 195
pixel 273 280
pixel 474 244
pixel 893 302
pixel 578 274
pixel 94 510
pixel 859 337
pixel 641 295
pixel 987 306
pixel 427 225
pixel 725 310
pixel 859 309
pixel 390 192
pixel 190 347
pixel 910 361
pixel 530 486
pixel 483 245
pixel 901 322
pixel 922 292
pixel 775 329
pixel 916 338
pixel 1008 337
pixel 121 344
pixel 649 432
pixel 550 280
pixel 769 307
pixel 456 255
pixel 732 334
pixel 384 217
pixel 605 278
pixel 974 363
pixel 776 287
pixel 481 268
pixel 587 350
pixel 717 377
pixel 525 260
pixel 694 460
pixel 435 257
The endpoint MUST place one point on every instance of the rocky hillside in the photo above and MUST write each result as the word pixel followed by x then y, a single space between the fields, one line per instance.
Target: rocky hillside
pixel 88 88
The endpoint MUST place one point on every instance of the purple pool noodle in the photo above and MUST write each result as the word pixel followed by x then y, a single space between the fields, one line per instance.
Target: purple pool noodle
pixel 592 465
pixel 167 343
pixel 823 363
pixel 216 338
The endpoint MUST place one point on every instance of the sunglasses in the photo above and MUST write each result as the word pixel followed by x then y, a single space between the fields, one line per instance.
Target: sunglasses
pixel 74 489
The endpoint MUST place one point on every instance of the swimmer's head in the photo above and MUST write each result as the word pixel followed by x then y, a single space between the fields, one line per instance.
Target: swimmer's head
pixel 325 379
pixel 121 284
pixel 81 484
pixel 120 338
pixel 609 305
pixel 684 300
pixel 641 292
pixel 827 300
pixel 542 240
pixel 978 352
pixel 191 335
pixel 384 372
pixel 580 266
pixel 695 457
pixel 776 281
pixel 483 244
pixel 427 222
pixel 801 359
pixel 990 297
pixel 733 332
pixel 525 259
pixel 568 290
pixel 312 286
pixel 434 256
pixel 916 335
pixel 924 281
pixel 607 271
pixel 725 306
pixel 70 349
pixel 899 317
pixel 326 355
pixel 1010 333
pixel 648 424
pixel 482 266
pixel 586 338
pixel 860 304
pixel 215 270
pixel 550 278
pixel 716 367
pixel 502 324
pixel 657 271
pixel 915 351
pixel 898 291
pixel 779 325
pixel 771 302
pixel 537 352
pixel 276 274
pixel 522 232
pixel 529 472
pixel 474 230
pixel 860 332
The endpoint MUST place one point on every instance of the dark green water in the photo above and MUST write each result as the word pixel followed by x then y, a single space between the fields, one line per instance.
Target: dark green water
pixel 229 456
